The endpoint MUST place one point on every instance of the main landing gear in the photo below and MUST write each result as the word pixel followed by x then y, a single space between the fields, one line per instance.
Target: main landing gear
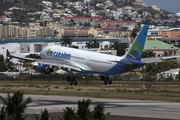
pixel 71 79
pixel 106 80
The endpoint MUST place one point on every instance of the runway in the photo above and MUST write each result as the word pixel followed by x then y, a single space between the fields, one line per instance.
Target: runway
pixel 119 108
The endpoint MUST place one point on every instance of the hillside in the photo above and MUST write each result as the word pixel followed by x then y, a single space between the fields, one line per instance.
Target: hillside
pixel 31 6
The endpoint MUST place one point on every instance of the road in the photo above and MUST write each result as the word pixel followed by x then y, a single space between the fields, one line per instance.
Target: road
pixel 119 108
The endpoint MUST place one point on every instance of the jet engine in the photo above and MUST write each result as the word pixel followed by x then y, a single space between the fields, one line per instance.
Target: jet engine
pixel 44 69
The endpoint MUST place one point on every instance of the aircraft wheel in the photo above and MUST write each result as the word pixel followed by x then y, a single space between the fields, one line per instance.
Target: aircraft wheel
pixel 102 78
pixel 107 77
pixel 68 78
pixel 72 78
pixel 70 82
pixel 109 82
pixel 75 82
pixel 105 82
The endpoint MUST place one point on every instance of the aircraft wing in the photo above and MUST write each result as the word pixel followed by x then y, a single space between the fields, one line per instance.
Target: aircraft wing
pixel 65 64
pixel 159 59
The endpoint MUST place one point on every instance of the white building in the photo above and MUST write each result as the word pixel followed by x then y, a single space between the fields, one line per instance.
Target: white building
pixel 56 16
pixel 78 3
pixel 177 14
pixel 23 48
pixel 87 1
pixel 6 20
pixel 47 3
pixel 155 31
pixel 15 8
pixel 171 73
pixel 79 8
pixel 116 13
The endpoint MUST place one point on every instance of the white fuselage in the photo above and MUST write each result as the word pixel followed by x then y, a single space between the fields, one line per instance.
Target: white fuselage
pixel 89 61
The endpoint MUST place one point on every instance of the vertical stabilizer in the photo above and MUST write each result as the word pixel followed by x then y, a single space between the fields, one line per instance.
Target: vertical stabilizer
pixel 136 50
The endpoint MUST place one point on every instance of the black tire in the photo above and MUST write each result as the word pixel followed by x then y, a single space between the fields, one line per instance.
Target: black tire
pixel 109 82
pixel 70 82
pixel 72 78
pixel 105 82
pixel 68 78
pixel 75 82
pixel 107 78
pixel 102 78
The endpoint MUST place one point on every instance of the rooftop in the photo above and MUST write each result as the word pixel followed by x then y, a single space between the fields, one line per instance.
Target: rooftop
pixel 52 40
pixel 158 45
pixel 84 17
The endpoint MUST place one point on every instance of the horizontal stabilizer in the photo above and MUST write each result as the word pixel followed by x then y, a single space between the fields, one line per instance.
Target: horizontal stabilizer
pixel 159 59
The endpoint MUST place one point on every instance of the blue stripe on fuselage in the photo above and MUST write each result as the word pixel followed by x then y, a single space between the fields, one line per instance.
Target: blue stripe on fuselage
pixel 118 68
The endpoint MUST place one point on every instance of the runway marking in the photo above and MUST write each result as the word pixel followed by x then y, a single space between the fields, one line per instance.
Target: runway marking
pixel 39 111
pixel 36 110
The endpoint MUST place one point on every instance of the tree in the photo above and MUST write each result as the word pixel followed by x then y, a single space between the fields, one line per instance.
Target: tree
pixel 2 63
pixel 88 45
pixel 98 113
pixel 73 46
pixel 148 54
pixel 150 69
pixel 3 113
pixel 15 105
pixel 8 64
pixel 87 24
pixel 93 44
pixel 36 56
pixel 139 11
pixel 83 112
pixel 133 34
pixel 42 24
pixel 120 47
pixel 69 114
pixel 55 33
pixel 66 41
pixel 72 22
pixel 44 115
pixel 154 68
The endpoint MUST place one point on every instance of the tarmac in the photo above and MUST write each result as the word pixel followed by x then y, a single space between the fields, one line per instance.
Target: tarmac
pixel 124 109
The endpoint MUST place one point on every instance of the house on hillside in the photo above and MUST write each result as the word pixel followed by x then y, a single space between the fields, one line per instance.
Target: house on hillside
pixel 172 37
pixel 159 47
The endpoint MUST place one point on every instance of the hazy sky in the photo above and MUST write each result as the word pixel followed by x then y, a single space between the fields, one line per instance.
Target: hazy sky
pixel 169 5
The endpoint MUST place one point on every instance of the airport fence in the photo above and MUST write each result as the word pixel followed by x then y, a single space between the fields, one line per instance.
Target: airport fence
pixel 51 77
pixel 84 77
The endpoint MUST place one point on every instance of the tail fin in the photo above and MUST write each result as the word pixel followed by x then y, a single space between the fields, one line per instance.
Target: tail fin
pixel 136 50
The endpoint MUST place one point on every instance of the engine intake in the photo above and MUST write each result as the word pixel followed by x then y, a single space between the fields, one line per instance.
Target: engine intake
pixel 44 69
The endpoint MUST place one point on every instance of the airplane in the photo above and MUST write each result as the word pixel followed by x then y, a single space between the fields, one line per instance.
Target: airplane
pixel 92 62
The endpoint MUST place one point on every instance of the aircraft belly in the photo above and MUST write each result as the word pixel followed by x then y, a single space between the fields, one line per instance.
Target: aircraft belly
pixel 100 67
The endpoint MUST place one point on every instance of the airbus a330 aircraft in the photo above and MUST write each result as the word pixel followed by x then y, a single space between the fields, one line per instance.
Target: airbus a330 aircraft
pixel 93 62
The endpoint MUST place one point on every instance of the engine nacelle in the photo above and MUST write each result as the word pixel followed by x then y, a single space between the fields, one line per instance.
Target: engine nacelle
pixel 44 69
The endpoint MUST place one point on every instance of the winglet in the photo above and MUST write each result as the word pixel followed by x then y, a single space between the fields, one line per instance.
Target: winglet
pixel 136 50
